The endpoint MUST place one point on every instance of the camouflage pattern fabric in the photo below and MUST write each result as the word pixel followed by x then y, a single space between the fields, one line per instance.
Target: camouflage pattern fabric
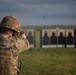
pixel 9 52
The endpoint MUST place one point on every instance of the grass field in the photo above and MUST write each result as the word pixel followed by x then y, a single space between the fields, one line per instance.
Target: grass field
pixel 56 61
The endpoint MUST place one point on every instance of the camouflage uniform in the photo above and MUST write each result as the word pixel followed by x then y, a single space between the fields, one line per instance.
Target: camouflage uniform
pixel 10 47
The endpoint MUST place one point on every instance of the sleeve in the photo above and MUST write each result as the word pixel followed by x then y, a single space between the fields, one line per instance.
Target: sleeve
pixel 22 44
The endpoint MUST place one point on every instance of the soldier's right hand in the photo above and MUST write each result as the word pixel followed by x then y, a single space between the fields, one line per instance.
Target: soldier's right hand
pixel 23 36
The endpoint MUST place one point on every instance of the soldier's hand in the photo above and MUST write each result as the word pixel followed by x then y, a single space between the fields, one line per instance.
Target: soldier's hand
pixel 23 36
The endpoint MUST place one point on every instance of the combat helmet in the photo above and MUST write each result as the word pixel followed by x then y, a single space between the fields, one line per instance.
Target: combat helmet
pixel 11 22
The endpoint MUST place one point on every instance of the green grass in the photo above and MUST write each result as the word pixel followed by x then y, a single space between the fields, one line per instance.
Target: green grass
pixel 56 61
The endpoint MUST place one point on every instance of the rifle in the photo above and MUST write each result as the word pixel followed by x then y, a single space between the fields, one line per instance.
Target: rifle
pixel 19 67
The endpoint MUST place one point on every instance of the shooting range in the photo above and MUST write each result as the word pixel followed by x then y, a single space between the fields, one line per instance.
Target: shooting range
pixel 30 33
pixel 61 38
pixel 45 38
pixel 69 37
pixel 53 38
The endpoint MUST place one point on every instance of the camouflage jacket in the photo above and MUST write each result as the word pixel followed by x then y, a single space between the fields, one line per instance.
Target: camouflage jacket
pixel 10 47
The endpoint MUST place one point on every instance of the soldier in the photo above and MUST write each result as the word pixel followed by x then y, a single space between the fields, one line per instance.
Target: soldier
pixel 11 45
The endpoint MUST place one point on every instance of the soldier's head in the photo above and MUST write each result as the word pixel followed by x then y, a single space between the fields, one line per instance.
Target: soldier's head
pixel 11 22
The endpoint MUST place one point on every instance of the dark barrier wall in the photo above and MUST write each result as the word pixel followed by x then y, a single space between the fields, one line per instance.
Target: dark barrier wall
pixel 75 38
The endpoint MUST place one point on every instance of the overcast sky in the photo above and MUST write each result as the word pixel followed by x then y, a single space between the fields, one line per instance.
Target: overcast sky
pixel 40 12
